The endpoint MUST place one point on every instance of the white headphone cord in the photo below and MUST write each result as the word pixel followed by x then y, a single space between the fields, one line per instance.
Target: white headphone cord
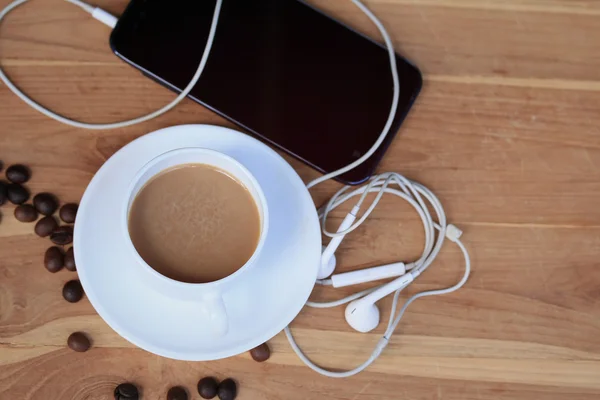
pixel 392 325
pixel 396 98
pixel 415 194
pixel 109 20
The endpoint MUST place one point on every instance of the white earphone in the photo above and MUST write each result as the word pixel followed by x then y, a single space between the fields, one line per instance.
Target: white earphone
pixel 361 312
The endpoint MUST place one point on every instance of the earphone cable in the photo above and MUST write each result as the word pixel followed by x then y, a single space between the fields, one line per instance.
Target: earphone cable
pixel 392 325
pixel 416 195
pixel 394 107
pixel 103 17
pixel 83 5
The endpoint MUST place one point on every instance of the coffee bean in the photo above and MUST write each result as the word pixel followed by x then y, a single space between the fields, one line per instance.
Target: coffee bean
pixel 18 173
pixel 261 353
pixel 177 393
pixel 17 194
pixel 68 212
pixel 126 391
pixel 227 390
pixel 45 226
pixel 73 291
pixel 26 213
pixel 62 235
pixel 207 387
pixel 1 165
pixel 45 203
pixel 53 259
pixel 79 342
pixel 70 260
pixel 3 192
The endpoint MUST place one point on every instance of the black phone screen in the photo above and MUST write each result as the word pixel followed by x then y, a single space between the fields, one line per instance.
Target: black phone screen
pixel 280 69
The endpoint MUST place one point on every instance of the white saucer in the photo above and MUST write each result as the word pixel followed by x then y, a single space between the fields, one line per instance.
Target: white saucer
pixel 266 300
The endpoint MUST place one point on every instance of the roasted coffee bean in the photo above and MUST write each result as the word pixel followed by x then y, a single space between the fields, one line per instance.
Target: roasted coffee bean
pixel 26 213
pixel 68 212
pixel 53 259
pixel 45 226
pixel 3 192
pixel 18 173
pixel 79 342
pixel 62 235
pixel 70 260
pixel 45 203
pixel 126 391
pixel 227 390
pixel 177 393
pixel 261 353
pixel 17 194
pixel 73 291
pixel 207 387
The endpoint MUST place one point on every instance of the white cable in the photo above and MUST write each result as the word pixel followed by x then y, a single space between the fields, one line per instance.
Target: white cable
pixel 345 300
pixel 392 325
pixel 103 17
pixel 83 5
pixel 421 199
pixel 396 97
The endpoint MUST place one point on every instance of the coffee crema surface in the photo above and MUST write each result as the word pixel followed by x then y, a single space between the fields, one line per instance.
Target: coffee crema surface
pixel 194 223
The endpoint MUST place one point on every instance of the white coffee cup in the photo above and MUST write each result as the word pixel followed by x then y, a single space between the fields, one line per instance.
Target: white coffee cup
pixel 209 296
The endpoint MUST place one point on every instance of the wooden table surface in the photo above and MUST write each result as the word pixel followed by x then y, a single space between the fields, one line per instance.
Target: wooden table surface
pixel 506 132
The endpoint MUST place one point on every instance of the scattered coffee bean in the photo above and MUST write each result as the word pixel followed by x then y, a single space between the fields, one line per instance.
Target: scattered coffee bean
pixel 17 194
pixel 207 387
pixel 126 391
pixel 78 342
pixel 261 353
pixel 177 393
pixel 70 260
pixel 53 259
pixel 72 291
pixel 45 203
pixel 62 235
pixel 26 213
pixel 18 173
pixel 3 192
pixel 68 212
pixel 227 390
pixel 45 226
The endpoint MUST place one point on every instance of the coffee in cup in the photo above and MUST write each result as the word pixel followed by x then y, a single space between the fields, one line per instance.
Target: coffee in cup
pixel 194 223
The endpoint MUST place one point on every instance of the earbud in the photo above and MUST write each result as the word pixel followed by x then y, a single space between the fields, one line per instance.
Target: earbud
pixel 363 314
pixel 327 265
pixel 362 317
pixel 328 258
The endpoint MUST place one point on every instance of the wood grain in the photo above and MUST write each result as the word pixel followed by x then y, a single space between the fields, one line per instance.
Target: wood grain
pixel 506 132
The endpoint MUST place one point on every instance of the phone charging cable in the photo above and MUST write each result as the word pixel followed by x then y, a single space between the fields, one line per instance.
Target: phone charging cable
pixel 111 21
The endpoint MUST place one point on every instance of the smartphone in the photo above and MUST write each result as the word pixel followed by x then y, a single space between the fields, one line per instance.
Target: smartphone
pixel 280 69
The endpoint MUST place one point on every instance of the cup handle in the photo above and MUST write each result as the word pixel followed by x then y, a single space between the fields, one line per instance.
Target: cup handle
pixel 213 308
